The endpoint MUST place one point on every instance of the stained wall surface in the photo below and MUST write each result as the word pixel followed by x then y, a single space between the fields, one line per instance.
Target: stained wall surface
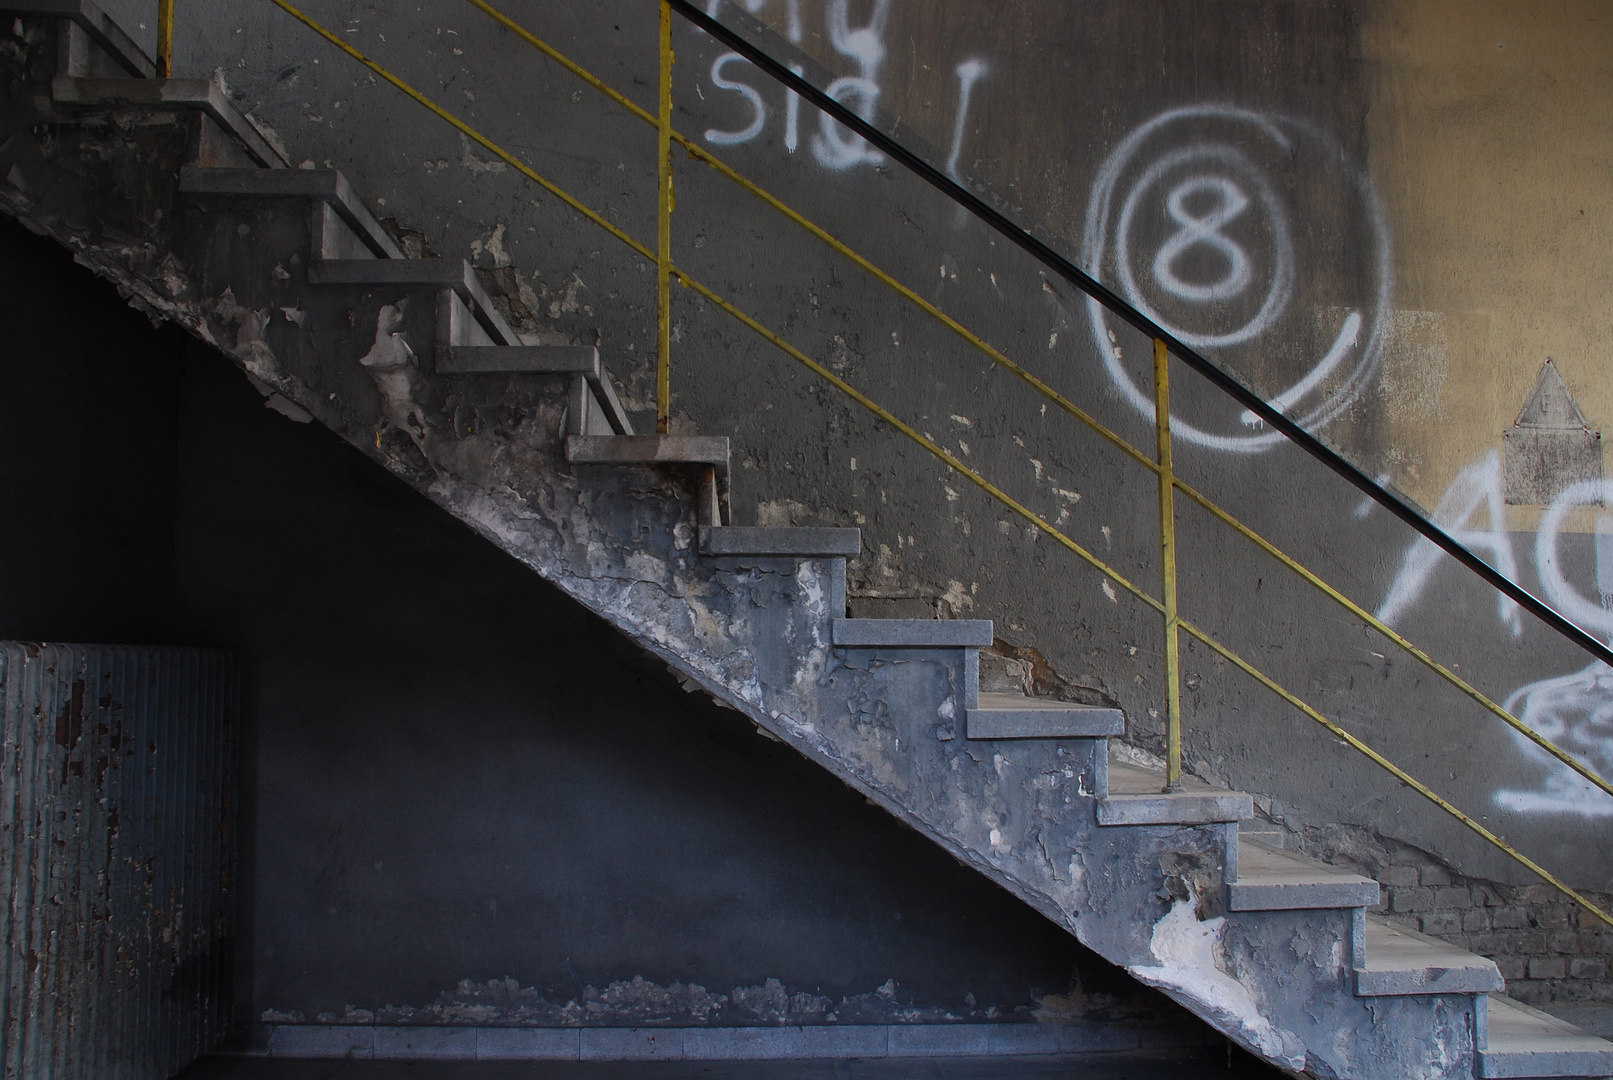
pixel 1385 215
pixel 1288 185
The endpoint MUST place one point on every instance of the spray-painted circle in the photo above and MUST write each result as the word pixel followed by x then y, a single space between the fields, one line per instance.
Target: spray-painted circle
pixel 1363 332
pixel 1590 615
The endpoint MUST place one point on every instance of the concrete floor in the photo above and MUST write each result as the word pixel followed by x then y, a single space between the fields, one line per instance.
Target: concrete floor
pixel 1160 1066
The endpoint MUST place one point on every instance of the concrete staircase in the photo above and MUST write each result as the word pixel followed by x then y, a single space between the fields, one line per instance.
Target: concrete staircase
pixel 286 272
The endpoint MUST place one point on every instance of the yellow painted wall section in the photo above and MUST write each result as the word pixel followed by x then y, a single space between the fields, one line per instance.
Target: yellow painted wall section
pixel 1491 145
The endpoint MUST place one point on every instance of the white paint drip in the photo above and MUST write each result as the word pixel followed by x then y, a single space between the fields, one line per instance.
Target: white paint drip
pixel 969 72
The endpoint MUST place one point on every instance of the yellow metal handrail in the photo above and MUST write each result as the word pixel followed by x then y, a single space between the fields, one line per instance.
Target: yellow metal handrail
pixel 1168 483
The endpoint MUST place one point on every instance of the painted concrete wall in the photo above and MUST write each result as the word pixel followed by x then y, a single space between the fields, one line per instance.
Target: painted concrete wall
pixel 1371 211
pixel 456 776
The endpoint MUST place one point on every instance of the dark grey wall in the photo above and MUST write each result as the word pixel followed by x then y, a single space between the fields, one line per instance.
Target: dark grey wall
pixel 1076 99
pixel 87 455
pixel 454 772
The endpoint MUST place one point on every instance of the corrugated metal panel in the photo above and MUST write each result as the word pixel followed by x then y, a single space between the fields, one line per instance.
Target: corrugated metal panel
pixel 116 834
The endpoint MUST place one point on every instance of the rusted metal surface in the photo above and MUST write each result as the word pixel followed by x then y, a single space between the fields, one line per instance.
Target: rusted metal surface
pixel 116 833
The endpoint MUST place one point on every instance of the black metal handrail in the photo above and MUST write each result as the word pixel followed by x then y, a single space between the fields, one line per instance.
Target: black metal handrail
pixel 1116 304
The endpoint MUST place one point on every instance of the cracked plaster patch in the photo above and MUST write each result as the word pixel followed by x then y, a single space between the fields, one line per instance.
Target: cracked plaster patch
pixel 1191 965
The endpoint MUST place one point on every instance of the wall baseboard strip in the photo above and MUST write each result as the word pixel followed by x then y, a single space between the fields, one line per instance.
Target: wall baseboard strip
pixel 421 1042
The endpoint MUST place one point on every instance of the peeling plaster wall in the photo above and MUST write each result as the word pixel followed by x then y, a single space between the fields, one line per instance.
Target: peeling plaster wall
pixel 469 799
pixel 1309 110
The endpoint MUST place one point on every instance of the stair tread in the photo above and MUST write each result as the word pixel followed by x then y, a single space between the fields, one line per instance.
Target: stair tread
pixel 519 359
pixel 204 95
pixel 1270 880
pixel 1135 798
pixel 456 274
pixel 102 30
pixel 1015 716
pixel 759 540
pixel 1405 962
pixel 648 449
pixel 1128 779
pixel 912 633
pixel 1021 703
pixel 1525 1042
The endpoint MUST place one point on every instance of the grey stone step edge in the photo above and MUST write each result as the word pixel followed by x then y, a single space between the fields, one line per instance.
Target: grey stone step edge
pixel 709 454
pixel 1526 1043
pixel 324 185
pixel 455 1043
pixel 911 633
pixel 784 542
pixel 1396 962
pixel 97 24
pixel 1269 880
pixel 201 95
pixel 1004 716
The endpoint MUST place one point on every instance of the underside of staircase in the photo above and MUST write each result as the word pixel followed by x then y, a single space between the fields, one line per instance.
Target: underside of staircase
pixel 163 188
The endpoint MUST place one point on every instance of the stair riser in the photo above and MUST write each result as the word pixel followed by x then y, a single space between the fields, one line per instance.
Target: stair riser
pixel 1301 963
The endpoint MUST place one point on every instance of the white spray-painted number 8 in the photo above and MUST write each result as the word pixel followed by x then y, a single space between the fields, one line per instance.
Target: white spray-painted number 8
pixel 1206 230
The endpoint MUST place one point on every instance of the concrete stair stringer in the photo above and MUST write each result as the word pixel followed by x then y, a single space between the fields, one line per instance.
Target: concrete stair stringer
pixel 755 632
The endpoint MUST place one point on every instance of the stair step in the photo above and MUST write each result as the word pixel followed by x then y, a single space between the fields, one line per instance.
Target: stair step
pixel 708 453
pixel 324 185
pixel 455 274
pixel 1014 716
pixel 649 450
pixel 771 540
pixel 1135 798
pixel 519 359
pixel 1525 1042
pixel 1271 880
pixel 912 633
pixel 1265 834
pixel 1401 962
pixel 540 360
pixel 201 95
pixel 101 30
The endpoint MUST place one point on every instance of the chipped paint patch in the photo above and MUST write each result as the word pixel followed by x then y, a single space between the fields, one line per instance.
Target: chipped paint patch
pixel 1191 964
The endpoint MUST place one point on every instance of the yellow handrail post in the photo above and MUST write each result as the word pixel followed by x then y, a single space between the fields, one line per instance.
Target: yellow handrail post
pixel 1167 567
pixel 663 250
pixel 165 39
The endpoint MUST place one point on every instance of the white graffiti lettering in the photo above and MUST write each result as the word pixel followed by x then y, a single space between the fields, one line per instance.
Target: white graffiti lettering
pixel 833 146
pixel 792 117
pixel 744 90
pixel 1574 711
pixel 1204 230
pixel 1476 488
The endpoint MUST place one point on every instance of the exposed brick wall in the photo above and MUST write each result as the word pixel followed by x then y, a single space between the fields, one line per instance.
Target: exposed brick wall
pixel 1548 948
